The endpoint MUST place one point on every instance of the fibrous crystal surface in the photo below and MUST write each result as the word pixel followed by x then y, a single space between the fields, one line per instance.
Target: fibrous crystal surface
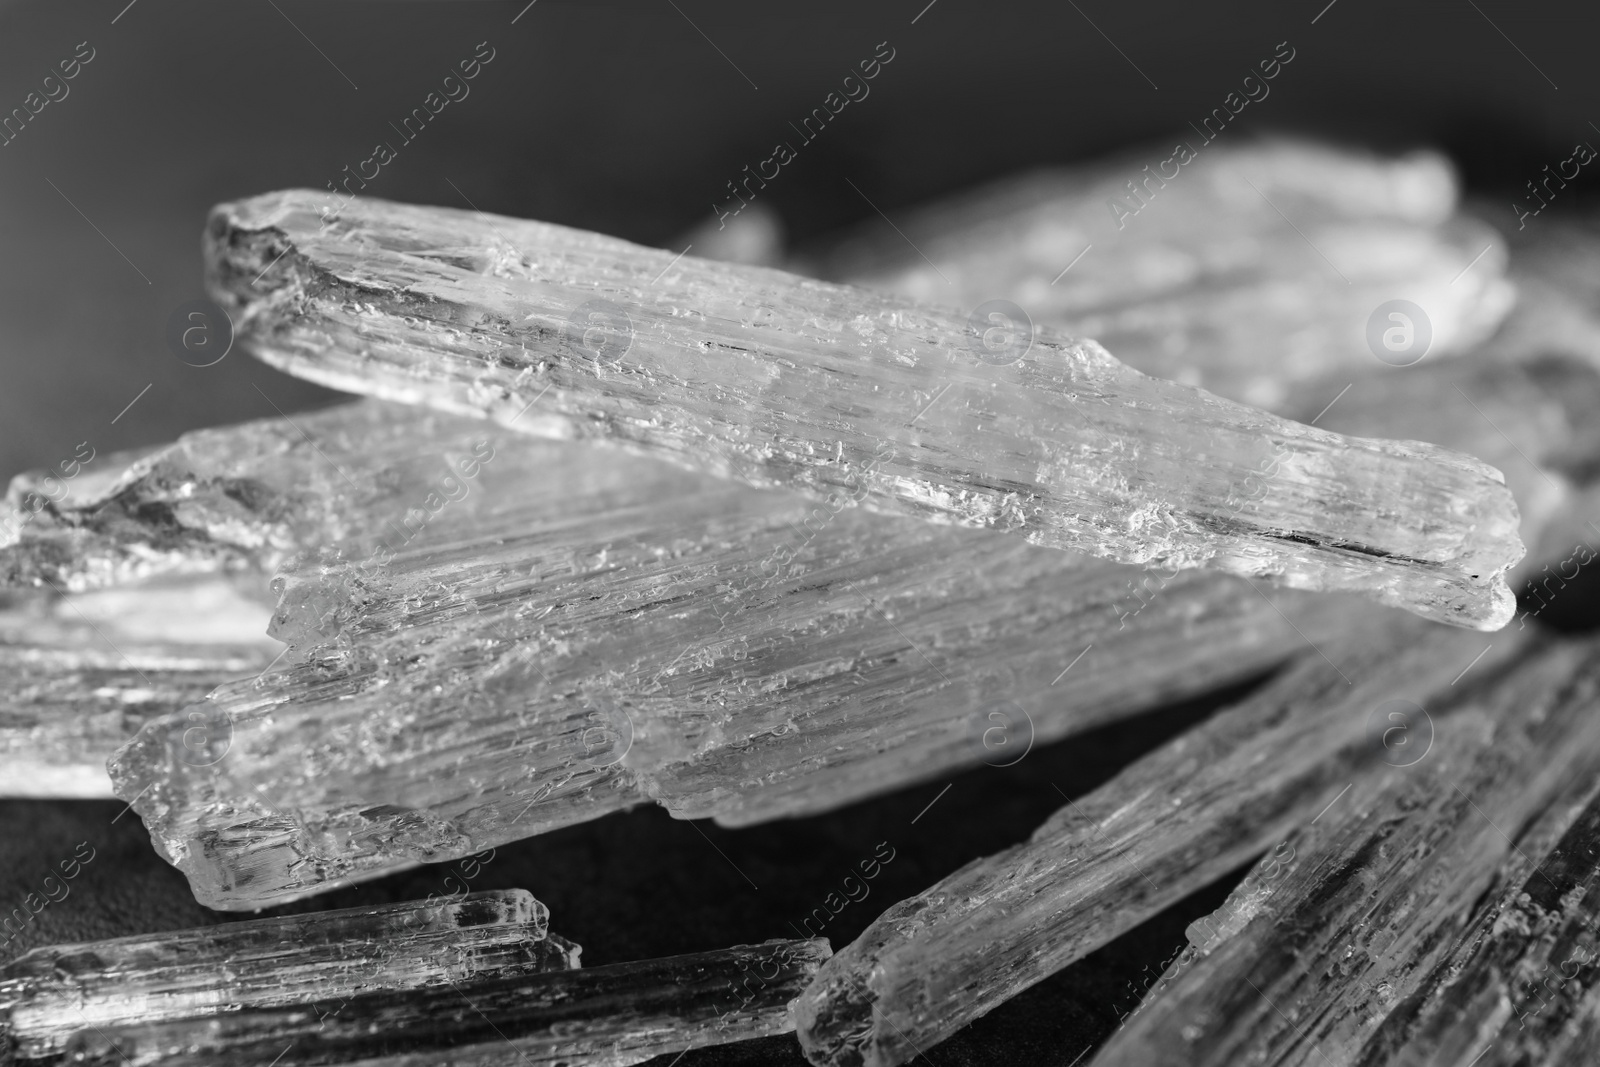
pixel 728 652
pixel 574 635
pixel 49 994
pixel 545 631
pixel 623 632
pixel 782 382
pixel 1407 924
pixel 597 1017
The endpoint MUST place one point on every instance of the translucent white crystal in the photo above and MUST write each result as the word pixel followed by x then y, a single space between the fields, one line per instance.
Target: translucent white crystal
pixel 49 994
pixel 552 647
pixel 1393 928
pixel 652 634
pixel 782 382
pixel 597 1017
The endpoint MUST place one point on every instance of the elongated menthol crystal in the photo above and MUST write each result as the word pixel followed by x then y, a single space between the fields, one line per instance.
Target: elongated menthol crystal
pixel 407 487
pixel 597 1017
pixel 519 666
pixel 1249 269
pixel 1368 930
pixel 704 648
pixel 51 993
pixel 782 382
pixel 1167 825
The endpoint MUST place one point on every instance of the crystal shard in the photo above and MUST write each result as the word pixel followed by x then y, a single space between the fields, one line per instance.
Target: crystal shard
pixel 613 1015
pixel 1372 920
pixel 1169 824
pixel 581 659
pixel 51 993
pixel 562 333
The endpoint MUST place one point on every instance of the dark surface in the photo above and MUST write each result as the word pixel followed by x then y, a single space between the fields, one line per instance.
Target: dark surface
pixel 626 119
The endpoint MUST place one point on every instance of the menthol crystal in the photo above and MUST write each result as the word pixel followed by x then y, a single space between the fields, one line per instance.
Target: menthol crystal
pixel 727 652
pixel 783 382
pixel 1169 824
pixel 325 957
pixel 613 1015
pixel 504 666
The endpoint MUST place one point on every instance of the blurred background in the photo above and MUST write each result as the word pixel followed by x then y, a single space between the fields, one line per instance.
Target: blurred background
pixel 631 119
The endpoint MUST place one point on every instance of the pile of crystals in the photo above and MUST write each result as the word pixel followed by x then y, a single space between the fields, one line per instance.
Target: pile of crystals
pixel 476 978
pixel 617 526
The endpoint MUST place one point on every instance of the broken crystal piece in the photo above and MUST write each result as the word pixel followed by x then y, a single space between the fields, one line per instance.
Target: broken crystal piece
pixel 618 1014
pixel 1347 937
pixel 564 632
pixel 1251 272
pixel 783 382
pixel 182 511
pixel 570 664
pixel 52 993
pixel 1169 824
pixel 242 500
